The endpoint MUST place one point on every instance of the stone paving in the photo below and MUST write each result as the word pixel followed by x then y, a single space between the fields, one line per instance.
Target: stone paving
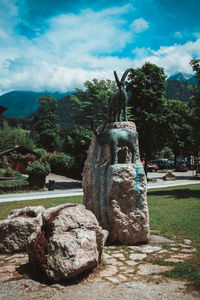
pixel 123 267
pixel 123 264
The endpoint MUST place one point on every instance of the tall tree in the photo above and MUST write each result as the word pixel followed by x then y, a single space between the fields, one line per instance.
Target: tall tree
pixel 147 85
pixel 92 103
pixel 46 125
pixel 178 127
pixel 195 107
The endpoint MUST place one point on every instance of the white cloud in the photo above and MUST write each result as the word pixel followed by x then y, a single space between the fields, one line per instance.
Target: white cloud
pixel 79 47
pixel 73 49
pixel 139 25
pixel 174 58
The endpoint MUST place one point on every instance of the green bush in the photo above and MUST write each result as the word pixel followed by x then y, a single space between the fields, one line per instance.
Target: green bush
pixel 14 185
pixel 61 163
pixel 18 175
pixel 38 169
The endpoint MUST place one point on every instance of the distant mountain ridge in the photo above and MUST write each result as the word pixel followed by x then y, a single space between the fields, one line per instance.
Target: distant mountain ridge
pixel 178 86
pixel 22 103
pixel 186 77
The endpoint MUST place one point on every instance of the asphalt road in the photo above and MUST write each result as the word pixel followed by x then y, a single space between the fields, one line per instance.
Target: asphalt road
pixel 65 187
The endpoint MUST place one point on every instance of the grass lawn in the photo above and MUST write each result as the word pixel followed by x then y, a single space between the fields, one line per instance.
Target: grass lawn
pixel 175 212
pixel 6 207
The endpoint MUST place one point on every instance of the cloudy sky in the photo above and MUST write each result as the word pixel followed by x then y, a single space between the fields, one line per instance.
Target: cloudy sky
pixel 56 45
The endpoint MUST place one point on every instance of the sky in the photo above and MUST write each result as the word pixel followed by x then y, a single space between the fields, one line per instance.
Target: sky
pixel 57 45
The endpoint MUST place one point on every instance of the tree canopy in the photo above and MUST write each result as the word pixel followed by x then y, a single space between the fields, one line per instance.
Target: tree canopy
pixel 11 137
pixel 92 103
pixel 195 106
pixel 46 124
pixel 147 85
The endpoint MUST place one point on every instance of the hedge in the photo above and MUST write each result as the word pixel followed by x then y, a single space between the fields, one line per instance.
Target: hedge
pixel 14 185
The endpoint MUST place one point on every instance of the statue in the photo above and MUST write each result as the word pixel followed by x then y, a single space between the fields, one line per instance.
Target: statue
pixel 116 138
pixel 118 101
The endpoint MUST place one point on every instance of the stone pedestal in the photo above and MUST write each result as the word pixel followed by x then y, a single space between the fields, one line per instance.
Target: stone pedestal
pixel 116 193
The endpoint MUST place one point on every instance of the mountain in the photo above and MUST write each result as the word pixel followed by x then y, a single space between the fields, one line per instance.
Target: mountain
pixel 181 77
pixel 64 112
pixel 23 103
pixel 178 90
pixel 178 86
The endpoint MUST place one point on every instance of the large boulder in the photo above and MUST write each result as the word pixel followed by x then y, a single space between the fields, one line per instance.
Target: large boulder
pixel 69 242
pixel 117 193
pixel 18 227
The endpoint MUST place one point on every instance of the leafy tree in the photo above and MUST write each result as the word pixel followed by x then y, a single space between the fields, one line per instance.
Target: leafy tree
pixel 92 103
pixel 195 107
pixel 46 125
pixel 10 137
pixel 177 127
pixel 147 85
pixel 77 144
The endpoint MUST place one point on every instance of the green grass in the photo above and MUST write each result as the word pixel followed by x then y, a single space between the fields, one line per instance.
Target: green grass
pixel 175 212
pixel 6 207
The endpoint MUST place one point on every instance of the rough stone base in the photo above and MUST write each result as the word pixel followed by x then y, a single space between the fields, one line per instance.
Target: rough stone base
pixel 116 193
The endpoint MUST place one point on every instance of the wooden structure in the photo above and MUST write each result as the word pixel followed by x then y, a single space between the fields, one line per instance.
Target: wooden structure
pixel 19 158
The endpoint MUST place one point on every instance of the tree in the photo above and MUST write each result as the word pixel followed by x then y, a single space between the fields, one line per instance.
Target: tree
pixel 77 144
pixel 147 85
pixel 178 127
pixel 92 103
pixel 10 137
pixel 195 107
pixel 46 126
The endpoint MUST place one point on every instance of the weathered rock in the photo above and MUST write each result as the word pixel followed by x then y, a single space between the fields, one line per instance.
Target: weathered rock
pixel 18 227
pixel 169 177
pixel 29 211
pixel 69 242
pixel 116 193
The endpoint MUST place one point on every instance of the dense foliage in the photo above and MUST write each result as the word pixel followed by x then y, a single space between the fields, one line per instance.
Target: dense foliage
pixel 38 168
pixel 61 163
pixel 195 106
pixel 10 137
pixel 46 124
pixel 76 145
pixel 147 85
pixel 92 103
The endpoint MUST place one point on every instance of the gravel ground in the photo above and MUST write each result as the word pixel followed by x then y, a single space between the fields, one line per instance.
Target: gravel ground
pixel 126 273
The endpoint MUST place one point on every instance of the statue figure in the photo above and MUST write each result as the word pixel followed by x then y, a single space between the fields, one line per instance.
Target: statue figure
pixel 116 138
pixel 118 101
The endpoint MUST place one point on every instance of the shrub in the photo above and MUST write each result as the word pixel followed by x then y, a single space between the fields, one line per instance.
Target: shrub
pixel 15 185
pixel 38 169
pixel 60 163
pixel 37 173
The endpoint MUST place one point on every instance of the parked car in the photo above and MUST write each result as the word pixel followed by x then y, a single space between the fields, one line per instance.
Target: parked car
pixel 162 164
pixel 151 167
pixel 181 166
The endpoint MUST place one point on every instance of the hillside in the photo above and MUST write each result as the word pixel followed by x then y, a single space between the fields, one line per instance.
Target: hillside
pixel 178 90
pixel 23 103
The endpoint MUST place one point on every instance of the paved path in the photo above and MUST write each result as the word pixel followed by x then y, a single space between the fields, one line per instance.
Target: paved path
pixel 65 187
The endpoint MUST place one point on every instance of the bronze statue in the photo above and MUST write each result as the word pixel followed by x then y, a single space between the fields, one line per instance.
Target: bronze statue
pixel 118 101
pixel 116 138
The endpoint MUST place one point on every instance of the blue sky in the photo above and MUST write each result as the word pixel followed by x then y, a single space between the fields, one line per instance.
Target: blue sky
pixel 57 45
